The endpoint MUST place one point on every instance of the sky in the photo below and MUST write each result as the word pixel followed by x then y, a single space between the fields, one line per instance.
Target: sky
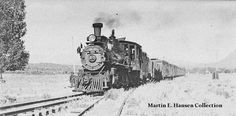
pixel 192 31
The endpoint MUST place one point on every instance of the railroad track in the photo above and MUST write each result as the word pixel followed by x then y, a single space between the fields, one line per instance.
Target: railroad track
pixel 14 109
pixel 89 106
pixel 51 106
pixel 84 110
pixel 119 113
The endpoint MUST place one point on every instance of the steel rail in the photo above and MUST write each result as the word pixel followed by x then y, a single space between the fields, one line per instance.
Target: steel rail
pixel 33 102
pixel 123 104
pixel 90 107
pixel 29 106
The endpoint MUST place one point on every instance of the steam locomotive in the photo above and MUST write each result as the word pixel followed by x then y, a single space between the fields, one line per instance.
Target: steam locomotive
pixel 110 62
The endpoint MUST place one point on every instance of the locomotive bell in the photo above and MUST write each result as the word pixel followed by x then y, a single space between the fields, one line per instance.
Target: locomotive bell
pixel 97 29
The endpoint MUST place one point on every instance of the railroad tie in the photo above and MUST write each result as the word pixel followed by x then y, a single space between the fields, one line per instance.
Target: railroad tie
pixel 36 113
pixel 41 114
pixel 25 114
pixel 47 113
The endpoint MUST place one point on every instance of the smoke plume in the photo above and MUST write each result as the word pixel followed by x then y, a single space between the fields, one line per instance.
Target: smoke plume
pixel 118 19
pixel 111 21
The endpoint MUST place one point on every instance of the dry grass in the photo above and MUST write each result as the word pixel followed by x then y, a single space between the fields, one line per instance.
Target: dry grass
pixel 22 88
pixel 110 105
pixel 185 90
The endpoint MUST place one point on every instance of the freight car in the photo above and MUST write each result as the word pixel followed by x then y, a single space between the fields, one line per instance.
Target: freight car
pixel 115 62
pixel 160 69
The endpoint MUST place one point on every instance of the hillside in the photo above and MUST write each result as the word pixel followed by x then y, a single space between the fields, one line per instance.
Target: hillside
pixel 183 64
pixel 48 68
pixel 228 62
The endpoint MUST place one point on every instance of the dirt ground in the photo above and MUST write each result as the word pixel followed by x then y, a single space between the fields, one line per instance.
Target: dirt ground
pixel 22 88
pixel 190 90
pixel 194 89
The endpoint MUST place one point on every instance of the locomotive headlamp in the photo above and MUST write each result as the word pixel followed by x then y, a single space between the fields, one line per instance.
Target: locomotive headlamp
pixel 91 38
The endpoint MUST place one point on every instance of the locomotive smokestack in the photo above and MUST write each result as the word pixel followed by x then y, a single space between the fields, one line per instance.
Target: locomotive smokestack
pixel 97 29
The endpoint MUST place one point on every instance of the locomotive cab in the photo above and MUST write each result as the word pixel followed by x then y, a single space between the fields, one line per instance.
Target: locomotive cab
pixel 136 60
pixel 133 53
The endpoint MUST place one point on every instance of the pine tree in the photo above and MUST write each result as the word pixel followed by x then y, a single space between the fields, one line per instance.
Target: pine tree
pixel 12 28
